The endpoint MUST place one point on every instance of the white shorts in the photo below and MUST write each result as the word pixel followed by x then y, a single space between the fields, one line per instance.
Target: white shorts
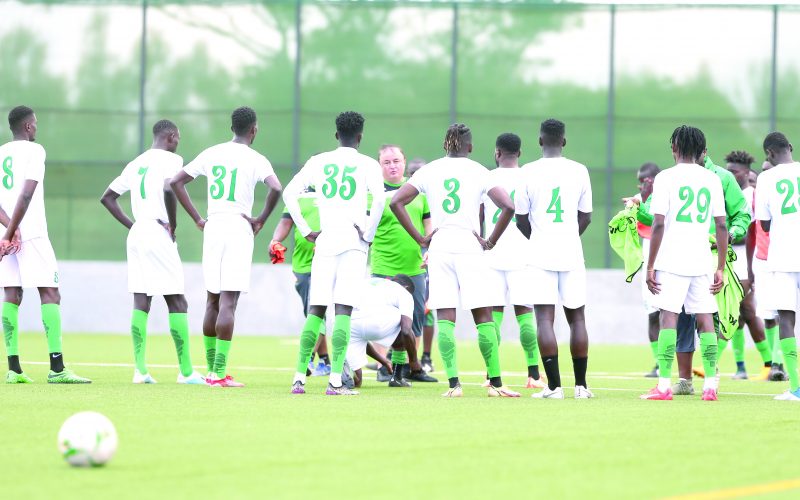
pixel 690 292
pixel 762 287
pixel 782 293
pixel 509 287
pixel 378 326
pixel 227 254
pixel 454 276
pixel 154 266
pixel 34 266
pixel 647 297
pixel 552 287
pixel 336 279
pixel 740 264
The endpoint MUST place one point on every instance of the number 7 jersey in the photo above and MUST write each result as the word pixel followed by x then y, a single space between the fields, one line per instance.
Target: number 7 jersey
pixel 145 177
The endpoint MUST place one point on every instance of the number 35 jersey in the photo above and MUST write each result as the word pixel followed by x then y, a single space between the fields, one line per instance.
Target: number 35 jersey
pixel 22 161
pixel 688 196
pixel 455 188
pixel 233 170
pixel 551 192
pixel 145 177
pixel 778 200
pixel 341 179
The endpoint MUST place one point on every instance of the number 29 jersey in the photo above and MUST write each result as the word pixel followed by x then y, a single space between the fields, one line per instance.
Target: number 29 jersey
pixel 455 188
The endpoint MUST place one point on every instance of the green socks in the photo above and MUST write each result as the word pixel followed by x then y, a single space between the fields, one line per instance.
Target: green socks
pixel 774 344
pixel 789 348
pixel 654 348
pixel 708 348
pixel 667 339
pixel 764 351
pixel 179 329
pixel 221 358
pixel 211 351
pixel 339 341
pixel 51 318
pixel 738 345
pixel 11 328
pixel 308 339
pixel 447 346
pixel 399 357
pixel 527 337
pixel 721 345
pixel 497 317
pixel 139 336
pixel 487 341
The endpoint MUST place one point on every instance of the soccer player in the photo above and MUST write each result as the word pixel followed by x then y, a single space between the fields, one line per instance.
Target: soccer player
pixel 233 169
pixel 738 163
pixel 302 254
pixel 384 315
pixel 343 178
pixel 508 272
pixel 684 198
pixel 27 259
pixel 154 265
pixel 778 211
pixel 554 207
pixel 455 186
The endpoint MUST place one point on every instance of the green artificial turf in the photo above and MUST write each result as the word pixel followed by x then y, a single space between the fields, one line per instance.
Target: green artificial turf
pixel 262 442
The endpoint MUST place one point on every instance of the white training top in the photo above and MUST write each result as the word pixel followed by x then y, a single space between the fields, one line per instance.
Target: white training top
pixel 22 161
pixel 233 170
pixel 778 200
pixel 551 193
pixel 378 294
pixel 509 252
pixel 455 188
pixel 341 178
pixel 749 194
pixel 688 196
pixel 145 177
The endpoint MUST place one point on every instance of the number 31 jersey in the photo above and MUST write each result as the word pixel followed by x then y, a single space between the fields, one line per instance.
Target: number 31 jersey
pixel 455 188
pixel 687 196
pixel 233 170
pixel 22 161
pixel 145 177
pixel 551 192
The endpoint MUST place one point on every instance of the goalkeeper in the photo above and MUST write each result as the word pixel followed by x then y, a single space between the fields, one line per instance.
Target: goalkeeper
pixel 302 254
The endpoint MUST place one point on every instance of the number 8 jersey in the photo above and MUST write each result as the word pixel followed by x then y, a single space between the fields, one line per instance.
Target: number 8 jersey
pixel 21 161
pixel 687 195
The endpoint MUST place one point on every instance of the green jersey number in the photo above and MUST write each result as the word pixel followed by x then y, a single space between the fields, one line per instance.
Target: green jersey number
pixel 143 173
pixel 703 205
pixel 345 186
pixel 498 211
pixel 452 203
pixel 783 186
pixel 217 188
pixel 8 174
pixel 555 205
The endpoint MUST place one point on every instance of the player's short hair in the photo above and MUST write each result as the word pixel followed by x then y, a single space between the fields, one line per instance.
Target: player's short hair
pixel 349 124
pixel 776 142
pixel 740 157
pixel 242 120
pixel 163 126
pixel 688 141
pixel 17 116
pixel 552 132
pixel 648 169
pixel 508 143
pixel 384 147
pixel 404 281
pixel 457 136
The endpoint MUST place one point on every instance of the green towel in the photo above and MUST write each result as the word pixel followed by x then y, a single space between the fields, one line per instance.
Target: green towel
pixel 729 299
pixel 625 241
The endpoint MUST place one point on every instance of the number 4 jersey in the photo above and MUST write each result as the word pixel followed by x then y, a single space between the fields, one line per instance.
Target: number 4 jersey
pixel 687 195
pixel 21 161
pixel 145 177
pixel 778 200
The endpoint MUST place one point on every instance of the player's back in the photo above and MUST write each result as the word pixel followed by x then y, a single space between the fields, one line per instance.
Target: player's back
pixel 378 294
pixel 145 177
pixel 510 250
pixel 552 191
pixel 778 200
pixel 455 189
pixel 21 161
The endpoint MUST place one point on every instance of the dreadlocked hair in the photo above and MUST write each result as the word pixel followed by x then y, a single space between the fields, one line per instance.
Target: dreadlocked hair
pixel 740 157
pixel 689 141
pixel 457 136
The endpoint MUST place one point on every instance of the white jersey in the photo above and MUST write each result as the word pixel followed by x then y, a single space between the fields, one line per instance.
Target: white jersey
pixel 22 161
pixel 342 179
pixel 778 201
pixel 233 170
pixel 509 252
pixel 551 193
pixel 379 294
pixel 455 188
pixel 145 177
pixel 688 196
pixel 749 196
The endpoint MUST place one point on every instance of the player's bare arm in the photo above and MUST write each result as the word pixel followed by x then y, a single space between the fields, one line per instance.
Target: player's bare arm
pixel 584 219
pixel 178 184
pixel 499 197
pixel 656 236
pixel 721 230
pixel 401 198
pixel 273 195
pixel 170 203
pixel 15 241
pixel 524 225
pixel 750 251
pixel 281 232
pixel 407 341
pixel 23 202
pixel 110 200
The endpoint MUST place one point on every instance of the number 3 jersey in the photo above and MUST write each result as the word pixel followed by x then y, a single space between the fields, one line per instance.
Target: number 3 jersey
pixel 510 252
pixel 22 161
pixel 778 200
pixel 455 188
pixel 146 177
pixel 688 196
pixel 341 179
pixel 551 192
pixel 233 170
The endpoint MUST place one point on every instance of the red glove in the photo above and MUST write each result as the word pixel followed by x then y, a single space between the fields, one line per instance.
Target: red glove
pixel 277 252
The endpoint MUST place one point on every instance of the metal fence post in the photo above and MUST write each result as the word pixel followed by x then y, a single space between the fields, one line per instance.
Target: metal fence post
pixel 296 115
pixel 610 128
pixel 454 66
pixel 773 97
pixel 142 75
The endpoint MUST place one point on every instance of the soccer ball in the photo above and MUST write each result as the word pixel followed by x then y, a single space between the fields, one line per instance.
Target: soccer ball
pixel 87 439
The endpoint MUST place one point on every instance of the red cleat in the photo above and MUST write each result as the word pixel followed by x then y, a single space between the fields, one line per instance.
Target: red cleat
pixel 658 395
